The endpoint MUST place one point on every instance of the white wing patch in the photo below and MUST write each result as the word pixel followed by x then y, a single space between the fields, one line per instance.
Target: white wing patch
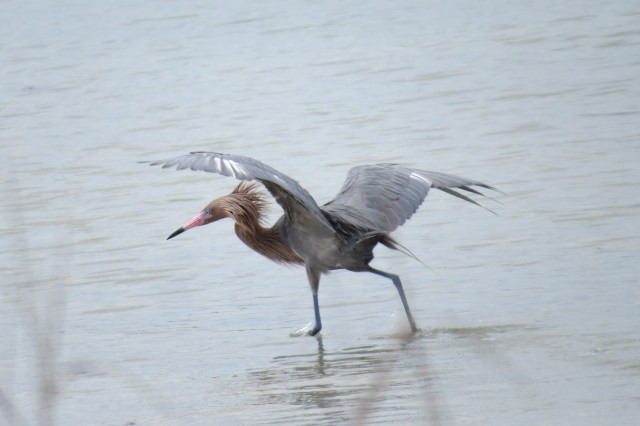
pixel 235 168
pixel 417 177
pixel 229 165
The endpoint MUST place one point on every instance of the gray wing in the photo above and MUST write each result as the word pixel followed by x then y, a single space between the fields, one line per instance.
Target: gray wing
pixel 287 192
pixel 382 197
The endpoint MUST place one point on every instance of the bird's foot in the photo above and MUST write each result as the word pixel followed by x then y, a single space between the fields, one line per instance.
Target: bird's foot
pixel 316 330
pixel 310 329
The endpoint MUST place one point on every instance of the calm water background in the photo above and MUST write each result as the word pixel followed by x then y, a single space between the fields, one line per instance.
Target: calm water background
pixel 529 317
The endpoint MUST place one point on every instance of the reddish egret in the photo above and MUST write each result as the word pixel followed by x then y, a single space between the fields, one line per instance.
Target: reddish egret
pixel 341 234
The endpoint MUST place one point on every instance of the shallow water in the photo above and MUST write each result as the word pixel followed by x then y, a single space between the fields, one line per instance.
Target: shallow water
pixel 529 316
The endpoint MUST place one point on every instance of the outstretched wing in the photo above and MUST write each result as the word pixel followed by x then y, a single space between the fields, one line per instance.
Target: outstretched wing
pixel 287 192
pixel 382 197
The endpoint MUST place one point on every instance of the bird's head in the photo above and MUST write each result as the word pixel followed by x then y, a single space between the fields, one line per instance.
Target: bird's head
pixel 212 212
pixel 245 205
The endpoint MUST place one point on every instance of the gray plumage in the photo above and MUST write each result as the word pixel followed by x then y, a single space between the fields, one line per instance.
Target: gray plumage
pixel 341 234
pixel 384 196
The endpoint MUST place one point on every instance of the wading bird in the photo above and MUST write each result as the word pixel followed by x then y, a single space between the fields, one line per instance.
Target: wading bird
pixel 341 234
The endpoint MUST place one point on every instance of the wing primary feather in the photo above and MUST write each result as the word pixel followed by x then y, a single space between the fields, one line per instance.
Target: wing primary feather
pixel 466 188
pixel 464 197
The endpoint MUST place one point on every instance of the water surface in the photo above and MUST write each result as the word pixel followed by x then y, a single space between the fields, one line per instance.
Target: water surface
pixel 528 317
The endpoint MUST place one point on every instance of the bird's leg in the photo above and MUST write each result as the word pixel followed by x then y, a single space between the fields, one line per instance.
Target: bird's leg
pixel 314 283
pixel 318 326
pixel 398 284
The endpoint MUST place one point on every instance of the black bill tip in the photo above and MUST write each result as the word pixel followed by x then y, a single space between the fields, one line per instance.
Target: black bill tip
pixel 176 233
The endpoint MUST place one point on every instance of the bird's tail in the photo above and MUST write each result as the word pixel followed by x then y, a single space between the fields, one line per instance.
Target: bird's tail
pixel 387 241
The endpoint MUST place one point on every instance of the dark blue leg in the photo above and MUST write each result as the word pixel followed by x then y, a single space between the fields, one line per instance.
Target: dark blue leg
pixel 403 298
pixel 318 326
pixel 314 283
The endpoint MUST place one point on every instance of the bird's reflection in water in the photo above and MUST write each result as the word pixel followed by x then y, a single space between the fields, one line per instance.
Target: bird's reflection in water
pixel 332 386
pixel 320 355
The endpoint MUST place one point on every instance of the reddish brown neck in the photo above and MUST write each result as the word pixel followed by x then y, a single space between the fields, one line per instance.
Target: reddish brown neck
pixel 266 241
pixel 245 205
